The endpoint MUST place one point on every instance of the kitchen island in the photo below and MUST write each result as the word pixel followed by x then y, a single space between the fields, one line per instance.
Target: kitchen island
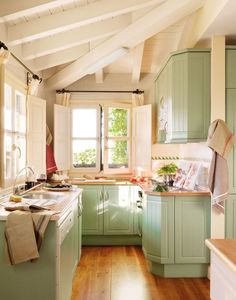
pixel 49 277
pixel 223 269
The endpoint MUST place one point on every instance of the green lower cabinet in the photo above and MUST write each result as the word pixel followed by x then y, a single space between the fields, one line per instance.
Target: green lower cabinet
pixel 174 233
pixel 158 229
pixel 118 211
pixel 92 221
pixel 109 215
pixel 230 217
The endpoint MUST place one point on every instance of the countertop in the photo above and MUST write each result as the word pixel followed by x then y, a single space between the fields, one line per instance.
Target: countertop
pixel 64 203
pixel 225 250
pixel 146 187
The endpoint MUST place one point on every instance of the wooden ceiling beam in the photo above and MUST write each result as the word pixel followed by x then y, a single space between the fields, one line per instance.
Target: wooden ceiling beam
pixel 74 37
pixel 73 18
pixel 155 21
pixel 137 64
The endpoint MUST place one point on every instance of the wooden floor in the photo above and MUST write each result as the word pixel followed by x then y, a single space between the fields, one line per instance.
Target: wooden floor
pixel 120 273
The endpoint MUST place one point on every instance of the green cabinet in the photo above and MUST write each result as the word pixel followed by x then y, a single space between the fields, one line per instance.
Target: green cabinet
pixel 174 233
pixel 230 217
pixel 231 121
pixel 230 66
pixel 183 97
pixel 109 214
pixel 158 229
pixel 92 199
pixel 118 210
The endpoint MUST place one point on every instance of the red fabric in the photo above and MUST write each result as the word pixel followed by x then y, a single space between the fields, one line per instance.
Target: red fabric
pixel 50 160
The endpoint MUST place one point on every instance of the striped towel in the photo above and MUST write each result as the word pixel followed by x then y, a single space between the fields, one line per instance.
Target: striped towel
pixel 24 233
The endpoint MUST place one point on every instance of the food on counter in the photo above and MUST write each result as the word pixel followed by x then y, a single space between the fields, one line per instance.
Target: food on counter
pixel 137 179
pixel 58 186
pixel 15 198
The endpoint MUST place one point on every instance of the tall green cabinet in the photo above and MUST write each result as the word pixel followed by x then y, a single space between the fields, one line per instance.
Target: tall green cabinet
pixel 230 213
pixel 183 97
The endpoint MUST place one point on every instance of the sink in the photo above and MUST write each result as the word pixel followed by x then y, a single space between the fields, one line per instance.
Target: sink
pixel 41 195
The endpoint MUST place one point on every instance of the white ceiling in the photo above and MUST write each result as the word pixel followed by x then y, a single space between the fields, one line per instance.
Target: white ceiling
pixel 62 39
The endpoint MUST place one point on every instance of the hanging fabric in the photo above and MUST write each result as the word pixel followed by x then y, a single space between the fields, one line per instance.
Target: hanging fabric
pixel 4 55
pixel 220 140
pixel 48 136
pixel 33 84
pixel 137 99
pixel 63 98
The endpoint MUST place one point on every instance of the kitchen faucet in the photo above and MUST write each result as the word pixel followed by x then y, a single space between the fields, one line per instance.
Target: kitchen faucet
pixel 16 189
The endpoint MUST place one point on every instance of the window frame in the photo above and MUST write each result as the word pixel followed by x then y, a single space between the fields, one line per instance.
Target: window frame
pixel 98 139
pixel 105 169
pixel 17 88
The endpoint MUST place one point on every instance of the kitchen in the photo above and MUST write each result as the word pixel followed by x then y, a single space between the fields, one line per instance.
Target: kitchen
pixel 98 67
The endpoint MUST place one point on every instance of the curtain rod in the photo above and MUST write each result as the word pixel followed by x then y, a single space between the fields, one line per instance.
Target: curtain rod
pixel 79 91
pixel 35 76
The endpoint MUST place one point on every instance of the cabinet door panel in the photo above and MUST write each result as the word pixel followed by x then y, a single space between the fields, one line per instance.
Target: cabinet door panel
pixel 231 121
pixel 230 217
pixel 118 210
pixel 92 220
pixel 159 229
pixel 230 68
pixel 192 227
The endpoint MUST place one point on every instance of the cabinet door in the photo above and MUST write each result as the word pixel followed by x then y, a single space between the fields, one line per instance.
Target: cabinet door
pixel 230 217
pixel 118 210
pixel 62 136
pixel 92 220
pixel 231 121
pixel 158 233
pixel 192 227
pixel 230 68
pixel 75 229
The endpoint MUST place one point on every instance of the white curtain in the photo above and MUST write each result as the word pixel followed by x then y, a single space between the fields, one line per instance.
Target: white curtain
pixel 4 56
pixel 33 85
pixel 63 99
pixel 137 99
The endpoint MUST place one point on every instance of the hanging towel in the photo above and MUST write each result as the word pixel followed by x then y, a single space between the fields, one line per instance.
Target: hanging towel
pixel 24 234
pixel 50 160
pixel 48 136
pixel 20 237
pixel 220 140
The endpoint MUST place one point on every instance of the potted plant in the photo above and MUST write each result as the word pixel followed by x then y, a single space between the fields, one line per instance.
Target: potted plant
pixel 168 172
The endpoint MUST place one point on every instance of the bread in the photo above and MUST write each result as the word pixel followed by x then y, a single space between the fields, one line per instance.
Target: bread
pixel 15 198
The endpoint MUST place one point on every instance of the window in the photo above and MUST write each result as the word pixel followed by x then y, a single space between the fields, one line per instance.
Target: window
pixel 14 131
pixel 86 138
pixel 101 138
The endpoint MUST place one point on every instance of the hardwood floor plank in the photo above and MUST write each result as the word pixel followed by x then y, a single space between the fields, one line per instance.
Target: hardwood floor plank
pixel 120 273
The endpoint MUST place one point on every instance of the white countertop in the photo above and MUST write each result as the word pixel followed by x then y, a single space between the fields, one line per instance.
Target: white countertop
pixel 64 202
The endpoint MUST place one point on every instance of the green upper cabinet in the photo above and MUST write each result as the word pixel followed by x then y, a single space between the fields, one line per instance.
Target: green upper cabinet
pixel 92 220
pixel 231 121
pixel 183 97
pixel 230 217
pixel 230 56
pixel 118 210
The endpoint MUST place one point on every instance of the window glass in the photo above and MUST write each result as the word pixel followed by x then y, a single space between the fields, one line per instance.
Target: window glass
pixel 117 122
pixel 20 153
pixel 84 124
pixel 84 153
pixel 20 113
pixel 117 154
pixel 8 163
pixel 7 107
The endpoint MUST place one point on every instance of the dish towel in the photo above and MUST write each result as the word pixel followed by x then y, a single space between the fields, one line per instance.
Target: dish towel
pixel 220 140
pixel 50 160
pixel 24 233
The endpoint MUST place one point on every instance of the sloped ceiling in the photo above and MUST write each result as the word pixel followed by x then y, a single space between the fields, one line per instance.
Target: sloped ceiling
pixel 65 39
